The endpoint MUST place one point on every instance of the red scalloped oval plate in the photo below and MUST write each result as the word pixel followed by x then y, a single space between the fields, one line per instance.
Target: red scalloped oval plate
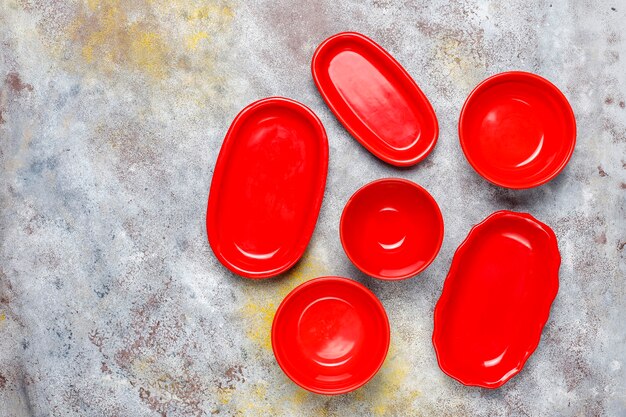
pixel 517 130
pixel 330 335
pixel 375 99
pixel 391 229
pixel 496 299
pixel 267 187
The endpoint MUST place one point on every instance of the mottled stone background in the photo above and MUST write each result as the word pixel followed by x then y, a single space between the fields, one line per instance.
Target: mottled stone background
pixel 111 117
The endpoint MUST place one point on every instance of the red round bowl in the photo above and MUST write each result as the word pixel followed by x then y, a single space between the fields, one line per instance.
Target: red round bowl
pixel 391 229
pixel 517 130
pixel 330 335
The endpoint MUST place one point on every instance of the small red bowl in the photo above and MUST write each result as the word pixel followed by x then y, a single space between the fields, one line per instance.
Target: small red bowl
pixel 391 229
pixel 330 335
pixel 517 130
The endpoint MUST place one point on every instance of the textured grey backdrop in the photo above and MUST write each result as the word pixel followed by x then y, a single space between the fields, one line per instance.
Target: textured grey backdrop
pixel 111 117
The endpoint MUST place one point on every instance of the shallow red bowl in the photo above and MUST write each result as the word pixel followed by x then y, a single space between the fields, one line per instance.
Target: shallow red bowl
pixel 496 299
pixel 375 98
pixel 330 335
pixel 267 187
pixel 391 229
pixel 517 130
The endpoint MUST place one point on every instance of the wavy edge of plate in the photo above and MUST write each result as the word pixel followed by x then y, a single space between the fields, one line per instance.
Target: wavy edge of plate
pixel 556 262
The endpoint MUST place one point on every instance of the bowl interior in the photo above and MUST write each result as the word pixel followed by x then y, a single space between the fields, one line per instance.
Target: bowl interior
pixel 330 335
pixel 391 229
pixel 517 130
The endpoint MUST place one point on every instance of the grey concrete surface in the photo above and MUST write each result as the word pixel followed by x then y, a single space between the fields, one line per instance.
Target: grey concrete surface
pixel 112 114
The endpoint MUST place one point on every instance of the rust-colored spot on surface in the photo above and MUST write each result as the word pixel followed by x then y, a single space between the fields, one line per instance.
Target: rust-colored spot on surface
pixel 601 239
pixel 96 338
pixel 3 381
pixel 143 393
pixel 622 104
pixel 608 100
pixel 601 172
pixel 231 376
pixel 105 368
pixel 15 84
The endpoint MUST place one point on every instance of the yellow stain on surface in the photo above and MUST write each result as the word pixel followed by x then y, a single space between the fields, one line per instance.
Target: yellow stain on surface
pixel 153 40
pixel 464 64
pixel 225 395
pixel 111 34
pixel 387 392
pixel 211 11
pixel 110 39
pixel 262 301
pixel 193 40
pixel 98 29
pixel 3 317
pixel 93 4
pixel 379 410
pixel 148 52
pixel 254 402
pixel 142 365
pixel 300 396
pixel 259 318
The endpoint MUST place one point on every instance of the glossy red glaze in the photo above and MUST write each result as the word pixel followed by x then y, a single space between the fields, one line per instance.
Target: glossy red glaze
pixel 517 130
pixel 391 229
pixel 330 335
pixel 375 99
pixel 496 299
pixel 267 187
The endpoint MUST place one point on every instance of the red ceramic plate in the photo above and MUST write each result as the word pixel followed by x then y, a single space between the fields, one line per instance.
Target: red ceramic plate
pixel 375 98
pixel 517 130
pixel 267 187
pixel 330 335
pixel 391 229
pixel 496 299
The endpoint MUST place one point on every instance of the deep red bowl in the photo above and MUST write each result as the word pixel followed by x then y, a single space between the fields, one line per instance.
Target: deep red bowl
pixel 391 229
pixel 517 130
pixel 330 335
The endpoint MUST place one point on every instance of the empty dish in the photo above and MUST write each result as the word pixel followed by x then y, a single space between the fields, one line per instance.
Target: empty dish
pixel 330 335
pixel 391 229
pixel 267 187
pixel 517 130
pixel 496 299
pixel 375 99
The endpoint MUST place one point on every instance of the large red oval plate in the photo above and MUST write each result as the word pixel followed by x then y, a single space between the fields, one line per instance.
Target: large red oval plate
pixel 267 187
pixel 375 99
pixel 496 299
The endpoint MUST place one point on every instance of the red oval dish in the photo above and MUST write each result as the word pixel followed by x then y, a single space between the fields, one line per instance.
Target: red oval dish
pixel 330 335
pixel 496 299
pixel 517 130
pixel 391 229
pixel 267 187
pixel 375 99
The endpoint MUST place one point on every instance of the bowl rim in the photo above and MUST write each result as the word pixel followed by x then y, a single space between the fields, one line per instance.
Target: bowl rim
pixel 553 89
pixel 343 281
pixel 421 190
